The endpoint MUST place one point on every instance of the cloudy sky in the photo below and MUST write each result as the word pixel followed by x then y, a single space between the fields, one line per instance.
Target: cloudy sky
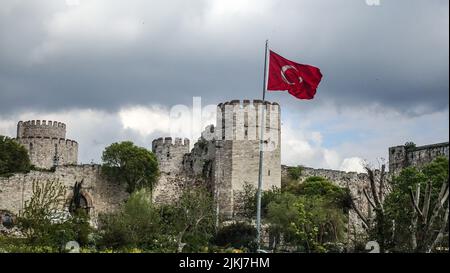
pixel 112 70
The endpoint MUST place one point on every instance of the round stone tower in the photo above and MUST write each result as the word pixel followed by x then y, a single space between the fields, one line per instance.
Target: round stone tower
pixel 170 154
pixel 238 134
pixel 46 143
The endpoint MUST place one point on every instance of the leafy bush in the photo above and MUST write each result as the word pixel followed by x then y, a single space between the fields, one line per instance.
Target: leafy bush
pixel 319 186
pixel 194 221
pixel 237 235
pixel 43 218
pixel 248 197
pixel 309 214
pixel 289 219
pixel 295 172
pixel 45 221
pixel 136 224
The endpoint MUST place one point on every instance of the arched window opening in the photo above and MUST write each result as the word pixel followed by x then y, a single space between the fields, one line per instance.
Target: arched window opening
pixel 83 205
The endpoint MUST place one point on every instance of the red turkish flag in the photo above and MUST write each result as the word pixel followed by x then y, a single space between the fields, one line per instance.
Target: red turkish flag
pixel 300 80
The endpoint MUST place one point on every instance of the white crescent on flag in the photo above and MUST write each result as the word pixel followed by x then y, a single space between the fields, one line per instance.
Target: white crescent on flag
pixel 284 69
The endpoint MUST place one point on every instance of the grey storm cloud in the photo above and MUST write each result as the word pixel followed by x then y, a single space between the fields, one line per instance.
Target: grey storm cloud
pixel 107 54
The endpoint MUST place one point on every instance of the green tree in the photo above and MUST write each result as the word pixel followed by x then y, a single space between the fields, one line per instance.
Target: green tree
pixel 45 220
pixel 136 166
pixel 289 219
pixel 328 219
pixel 418 207
pixel 310 214
pixel 193 220
pixel 13 157
pixel 329 205
pixel 136 224
pixel 281 214
pixel 185 225
pixel 247 200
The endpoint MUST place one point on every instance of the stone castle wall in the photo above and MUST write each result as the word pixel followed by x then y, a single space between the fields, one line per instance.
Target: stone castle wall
pixel 101 195
pixel 46 143
pixel 403 156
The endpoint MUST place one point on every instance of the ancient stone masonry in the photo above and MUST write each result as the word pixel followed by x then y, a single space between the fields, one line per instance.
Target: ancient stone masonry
pixel 170 156
pixel 200 162
pixel 224 159
pixel 170 153
pixel 237 149
pixel 47 148
pixel 404 156
pixel 226 156
pixel 99 194
pixel 46 143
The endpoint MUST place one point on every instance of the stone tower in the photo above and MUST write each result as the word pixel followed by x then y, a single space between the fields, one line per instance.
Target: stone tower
pixel 237 150
pixel 170 154
pixel 46 143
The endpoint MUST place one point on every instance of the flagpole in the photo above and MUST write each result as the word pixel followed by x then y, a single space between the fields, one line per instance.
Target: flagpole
pixel 261 154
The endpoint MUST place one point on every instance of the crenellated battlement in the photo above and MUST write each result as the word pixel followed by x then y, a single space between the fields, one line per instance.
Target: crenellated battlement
pixel 246 103
pixel 170 153
pixel 168 141
pixel 241 120
pixel 42 128
pixel 46 143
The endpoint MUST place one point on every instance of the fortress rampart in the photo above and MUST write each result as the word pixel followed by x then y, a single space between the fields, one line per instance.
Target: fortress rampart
pixel 405 156
pixel 101 195
pixel 224 159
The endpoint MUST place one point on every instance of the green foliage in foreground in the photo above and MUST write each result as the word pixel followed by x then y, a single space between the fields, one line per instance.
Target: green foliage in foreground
pixel 187 225
pixel 45 224
pixel 13 157
pixel 309 216
pixel 400 212
pixel 136 224
pixel 306 217
pixel 239 235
